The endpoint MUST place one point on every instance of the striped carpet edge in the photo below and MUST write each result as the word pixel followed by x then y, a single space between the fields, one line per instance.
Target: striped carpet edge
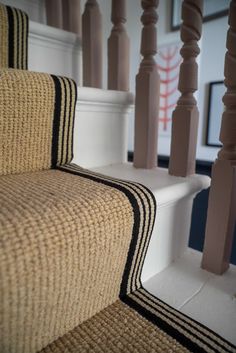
pixel 63 121
pixel 188 332
pixel 14 29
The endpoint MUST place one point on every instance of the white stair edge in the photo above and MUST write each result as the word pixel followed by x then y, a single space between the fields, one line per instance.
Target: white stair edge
pixel 174 197
pixel 167 188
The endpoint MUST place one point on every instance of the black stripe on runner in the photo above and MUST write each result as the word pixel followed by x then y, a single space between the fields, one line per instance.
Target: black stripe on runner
pixel 130 257
pixel 69 118
pixel 73 90
pixel 64 119
pixel 56 121
pixel 18 39
pixel 163 325
pixel 21 39
pixel 191 324
pixel 73 119
pixel 143 250
pixel 10 36
pixel 26 38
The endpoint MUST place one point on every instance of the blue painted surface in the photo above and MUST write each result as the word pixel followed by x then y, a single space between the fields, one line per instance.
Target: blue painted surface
pixel 198 223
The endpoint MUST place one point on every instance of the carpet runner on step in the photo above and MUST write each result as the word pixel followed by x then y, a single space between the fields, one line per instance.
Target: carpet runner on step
pixel 73 242
pixel 14 26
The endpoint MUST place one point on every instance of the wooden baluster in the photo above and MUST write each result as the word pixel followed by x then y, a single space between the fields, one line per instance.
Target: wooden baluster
pixel 92 45
pixel 54 13
pixel 185 116
pixel 147 92
pixel 118 49
pixel 71 16
pixel 222 199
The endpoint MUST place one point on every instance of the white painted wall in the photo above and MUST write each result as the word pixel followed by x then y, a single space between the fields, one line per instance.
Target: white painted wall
pixel 54 51
pixel 100 133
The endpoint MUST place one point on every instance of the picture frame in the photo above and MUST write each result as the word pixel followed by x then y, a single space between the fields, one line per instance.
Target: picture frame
pixel 214 113
pixel 212 9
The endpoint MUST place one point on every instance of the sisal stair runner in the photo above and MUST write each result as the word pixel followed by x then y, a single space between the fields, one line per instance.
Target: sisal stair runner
pixel 73 242
pixel 14 26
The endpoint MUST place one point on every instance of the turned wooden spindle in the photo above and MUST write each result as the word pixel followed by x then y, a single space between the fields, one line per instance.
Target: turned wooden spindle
pixel 147 92
pixel 71 16
pixel 185 116
pixel 118 49
pixel 92 45
pixel 222 199
pixel 54 13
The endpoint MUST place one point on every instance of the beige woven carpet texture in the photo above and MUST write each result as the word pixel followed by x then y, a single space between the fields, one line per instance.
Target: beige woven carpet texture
pixel 116 329
pixel 36 127
pixel 14 25
pixel 73 242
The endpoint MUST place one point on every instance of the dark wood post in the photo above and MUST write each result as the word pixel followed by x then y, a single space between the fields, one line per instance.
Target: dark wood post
pixel 222 199
pixel 92 45
pixel 118 49
pixel 147 92
pixel 54 13
pixel 185 116
pixel 71 16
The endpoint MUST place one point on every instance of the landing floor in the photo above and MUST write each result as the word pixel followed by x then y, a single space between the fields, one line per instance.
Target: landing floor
pixel 207 298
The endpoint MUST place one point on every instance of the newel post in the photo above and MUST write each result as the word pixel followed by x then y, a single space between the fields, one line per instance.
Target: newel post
pixel 92 45
pixel 118 49
pixel 185 116
pixel 222 199
pixel 147 92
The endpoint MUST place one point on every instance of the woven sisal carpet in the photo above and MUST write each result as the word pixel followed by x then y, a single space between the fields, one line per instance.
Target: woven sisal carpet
pixel 72 242
pixel 14 25
pixel 137 321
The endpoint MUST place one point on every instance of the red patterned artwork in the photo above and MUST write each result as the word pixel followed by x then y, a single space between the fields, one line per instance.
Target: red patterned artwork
pixel 168 62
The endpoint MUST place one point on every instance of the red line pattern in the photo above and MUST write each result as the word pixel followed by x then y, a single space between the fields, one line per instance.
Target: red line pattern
pixel 170 62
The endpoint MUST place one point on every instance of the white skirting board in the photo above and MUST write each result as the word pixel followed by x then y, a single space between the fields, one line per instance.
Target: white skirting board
pixel 55 51
pixel 101 127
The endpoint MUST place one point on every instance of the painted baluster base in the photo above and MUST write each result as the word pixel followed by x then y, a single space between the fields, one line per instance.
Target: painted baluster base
pixel 118 63
pixel 220 218
pixel 184 141
pixel 146 119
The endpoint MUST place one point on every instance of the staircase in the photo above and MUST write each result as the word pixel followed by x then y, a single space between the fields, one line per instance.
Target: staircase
pixel 75 282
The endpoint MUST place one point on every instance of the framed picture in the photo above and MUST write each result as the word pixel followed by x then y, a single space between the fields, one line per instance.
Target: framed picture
pixel 212 9
pixel 215 109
